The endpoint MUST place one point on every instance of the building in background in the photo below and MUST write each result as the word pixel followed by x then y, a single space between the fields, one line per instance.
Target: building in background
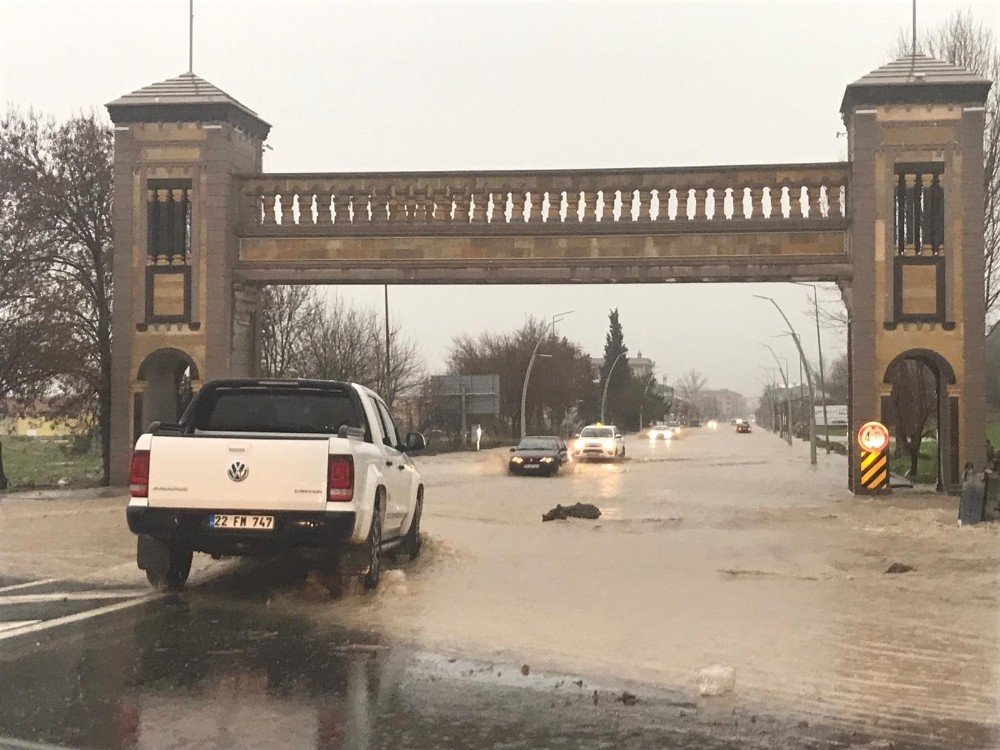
pixel 641 367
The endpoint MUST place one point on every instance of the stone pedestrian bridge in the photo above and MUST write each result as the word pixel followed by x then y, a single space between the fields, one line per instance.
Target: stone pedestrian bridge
pixel 759 223
pixel 200 228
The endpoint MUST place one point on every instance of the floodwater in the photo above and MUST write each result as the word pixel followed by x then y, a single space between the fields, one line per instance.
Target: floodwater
pixel 716 549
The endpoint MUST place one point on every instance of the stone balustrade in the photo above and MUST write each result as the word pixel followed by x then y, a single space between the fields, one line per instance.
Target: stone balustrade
pixel 654 201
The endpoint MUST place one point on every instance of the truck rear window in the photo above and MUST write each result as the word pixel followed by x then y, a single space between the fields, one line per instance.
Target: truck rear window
pixel 276 410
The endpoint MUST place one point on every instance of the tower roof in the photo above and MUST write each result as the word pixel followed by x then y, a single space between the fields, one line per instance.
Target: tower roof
pixel 916 79
pixel 186 97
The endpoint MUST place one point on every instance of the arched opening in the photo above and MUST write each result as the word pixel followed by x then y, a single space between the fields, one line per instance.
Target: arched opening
pixel 168 375
pixel 923 418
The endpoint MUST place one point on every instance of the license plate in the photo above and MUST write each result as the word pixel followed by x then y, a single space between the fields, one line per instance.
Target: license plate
pixel 531 466
pixel 240 522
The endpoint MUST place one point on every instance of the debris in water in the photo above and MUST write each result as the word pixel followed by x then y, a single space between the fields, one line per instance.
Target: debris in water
pixel 580 510
pixel 525 670
pixel 595 697
pixel 578 683
pixel 716 680
pixel 627 698
pixel 898 567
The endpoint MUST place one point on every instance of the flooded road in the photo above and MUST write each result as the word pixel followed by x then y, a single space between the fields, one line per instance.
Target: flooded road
pixel 719 549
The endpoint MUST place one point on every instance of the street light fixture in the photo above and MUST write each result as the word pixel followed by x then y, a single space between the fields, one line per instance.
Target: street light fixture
pixel 809 380
pixel 607 382
pixel 531 363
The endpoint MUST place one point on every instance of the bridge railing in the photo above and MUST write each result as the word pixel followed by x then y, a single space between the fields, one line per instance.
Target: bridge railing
pixel 736 198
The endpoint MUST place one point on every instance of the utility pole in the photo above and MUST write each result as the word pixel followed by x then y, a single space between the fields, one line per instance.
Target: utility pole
pixel 191 36
pixel 805 364
pixel 388 364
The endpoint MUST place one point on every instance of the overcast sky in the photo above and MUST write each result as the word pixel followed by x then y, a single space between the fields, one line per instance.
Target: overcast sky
pixel 413 85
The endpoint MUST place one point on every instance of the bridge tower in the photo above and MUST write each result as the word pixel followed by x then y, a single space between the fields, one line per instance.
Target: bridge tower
pixel 915 140
pixel 177 314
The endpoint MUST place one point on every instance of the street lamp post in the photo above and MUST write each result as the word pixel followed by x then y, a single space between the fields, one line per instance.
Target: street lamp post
pixel 822 375
pixel 809 380
pixel 531 363
pixel 607 381
pixel 643 398
pixel 788 406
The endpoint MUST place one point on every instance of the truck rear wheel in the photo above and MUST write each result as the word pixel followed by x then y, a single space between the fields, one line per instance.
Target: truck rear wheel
pixel 371 576
pixel 173 573
pixel 411 542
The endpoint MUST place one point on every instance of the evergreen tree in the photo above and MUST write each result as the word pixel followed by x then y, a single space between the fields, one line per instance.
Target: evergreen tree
pixel 621 376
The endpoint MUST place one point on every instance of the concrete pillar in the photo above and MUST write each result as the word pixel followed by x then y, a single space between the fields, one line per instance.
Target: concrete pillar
pixel 182 132
pixel 911 117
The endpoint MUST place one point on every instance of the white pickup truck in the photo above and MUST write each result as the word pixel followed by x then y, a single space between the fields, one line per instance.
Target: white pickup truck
pixel 257 467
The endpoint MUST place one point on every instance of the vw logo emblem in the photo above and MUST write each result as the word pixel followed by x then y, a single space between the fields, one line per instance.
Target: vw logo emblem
pixel 238 471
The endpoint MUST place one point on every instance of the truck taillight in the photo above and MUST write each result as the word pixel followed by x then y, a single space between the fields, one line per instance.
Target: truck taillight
pixel 340 479
pixel 138 476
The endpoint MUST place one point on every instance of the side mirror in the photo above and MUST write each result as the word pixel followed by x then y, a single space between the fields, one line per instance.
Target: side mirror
pixel 414 442
pixel 513 449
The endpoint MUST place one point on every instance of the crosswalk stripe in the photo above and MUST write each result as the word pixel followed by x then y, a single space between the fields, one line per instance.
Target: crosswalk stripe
pixel 71 596
pixel 12 624
pixel 85 615
pixel 27 585
pixel 12 743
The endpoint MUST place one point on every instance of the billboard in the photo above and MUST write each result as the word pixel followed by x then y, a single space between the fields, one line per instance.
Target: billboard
pixel 836 415
pixel 480 394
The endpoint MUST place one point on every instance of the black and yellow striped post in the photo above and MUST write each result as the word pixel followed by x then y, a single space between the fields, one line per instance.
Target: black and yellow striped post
pixel 873 439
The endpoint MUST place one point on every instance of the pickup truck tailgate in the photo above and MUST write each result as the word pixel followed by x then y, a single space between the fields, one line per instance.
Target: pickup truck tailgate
pixel 205 472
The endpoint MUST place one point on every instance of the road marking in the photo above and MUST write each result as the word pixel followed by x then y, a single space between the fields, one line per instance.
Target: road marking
pixel 70 596
pixel 10 743
pixel 27 585
pixel 85 615
pixel 11 624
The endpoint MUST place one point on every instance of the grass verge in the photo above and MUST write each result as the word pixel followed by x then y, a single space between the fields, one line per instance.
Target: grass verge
pixel 32 463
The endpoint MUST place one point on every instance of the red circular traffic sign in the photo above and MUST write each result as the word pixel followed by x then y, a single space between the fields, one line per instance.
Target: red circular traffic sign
pixel 873 437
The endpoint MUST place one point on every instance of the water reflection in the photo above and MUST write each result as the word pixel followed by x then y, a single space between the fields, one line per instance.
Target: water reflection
pixel 194 675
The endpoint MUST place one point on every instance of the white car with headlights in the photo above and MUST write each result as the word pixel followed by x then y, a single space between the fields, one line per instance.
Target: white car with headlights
pixel 257 467
pixel 661 431
pixel 599 441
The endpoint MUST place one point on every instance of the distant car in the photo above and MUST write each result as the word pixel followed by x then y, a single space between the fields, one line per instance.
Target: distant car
pixel 696 423
pixel 675 427
pixel 542 455
pixel 712 424
pixel 661 431
pixel 742 426
pixel 599 441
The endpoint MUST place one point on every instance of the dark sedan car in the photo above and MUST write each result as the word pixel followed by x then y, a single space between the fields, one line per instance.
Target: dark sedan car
pixel 538 455
pixel 742 425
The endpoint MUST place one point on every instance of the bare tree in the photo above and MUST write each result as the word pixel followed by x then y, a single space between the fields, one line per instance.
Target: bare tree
pixel 690 388
pixel 556 388
pixel 288 315
pixel 914 407
pixel 963 41
pixel 304 335
pixel 61 174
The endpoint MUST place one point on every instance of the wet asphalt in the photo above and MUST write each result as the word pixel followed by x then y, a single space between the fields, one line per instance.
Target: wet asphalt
pixel 217 667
